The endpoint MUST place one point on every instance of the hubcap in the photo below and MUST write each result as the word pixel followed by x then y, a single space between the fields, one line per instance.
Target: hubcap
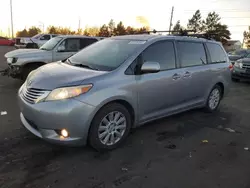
pixel 112 128
pixel 214 99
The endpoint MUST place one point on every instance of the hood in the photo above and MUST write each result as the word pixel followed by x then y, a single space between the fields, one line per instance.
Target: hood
pixel 25 53
pixel 246 60
pixel 234 57
pixel 58 74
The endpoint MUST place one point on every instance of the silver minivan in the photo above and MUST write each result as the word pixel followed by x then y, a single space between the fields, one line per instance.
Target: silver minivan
pixel 99 94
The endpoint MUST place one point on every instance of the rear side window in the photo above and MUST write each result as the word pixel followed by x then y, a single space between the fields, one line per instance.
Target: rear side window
pixel 217 53
pixel 191 54
pixel 161 52
pixel 87 41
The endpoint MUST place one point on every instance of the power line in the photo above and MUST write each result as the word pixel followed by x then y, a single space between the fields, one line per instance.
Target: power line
pixel 219 10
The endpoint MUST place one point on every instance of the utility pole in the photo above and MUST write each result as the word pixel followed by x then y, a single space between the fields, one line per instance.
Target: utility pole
pixel 12 30
pixel 41 24
pixel 171 18
pixel 79 24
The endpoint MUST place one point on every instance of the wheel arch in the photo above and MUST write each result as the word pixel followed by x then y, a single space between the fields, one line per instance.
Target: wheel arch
pixel 123 102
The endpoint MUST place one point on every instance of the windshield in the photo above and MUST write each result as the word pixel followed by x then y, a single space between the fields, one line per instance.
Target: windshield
pixel 106 55
pixel 36 36
pixel 239 52
pixel 50 45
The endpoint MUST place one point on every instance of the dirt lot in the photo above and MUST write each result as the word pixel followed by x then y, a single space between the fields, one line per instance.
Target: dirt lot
pixel 149 157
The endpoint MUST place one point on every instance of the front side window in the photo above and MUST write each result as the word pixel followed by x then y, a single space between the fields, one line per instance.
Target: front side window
pixel 106 54
pixel 70 45
pixel 45 37
pixel 162 53
pixel 217 54
pixel 191 54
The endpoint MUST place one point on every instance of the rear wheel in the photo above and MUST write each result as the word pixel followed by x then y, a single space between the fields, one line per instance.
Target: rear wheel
pixel 214 99
pixel 110 127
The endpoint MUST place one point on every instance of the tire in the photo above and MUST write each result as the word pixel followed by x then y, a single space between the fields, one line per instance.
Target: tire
pixel 27 69
pixel 235 79
pixel 110 129
pixel 209 107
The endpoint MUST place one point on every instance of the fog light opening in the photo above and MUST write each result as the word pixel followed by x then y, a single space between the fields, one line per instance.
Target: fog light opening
pixel 64 133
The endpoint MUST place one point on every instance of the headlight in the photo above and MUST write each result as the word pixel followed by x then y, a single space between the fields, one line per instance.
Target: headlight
pixel 11 60
pixel 68 92
pixel 238 64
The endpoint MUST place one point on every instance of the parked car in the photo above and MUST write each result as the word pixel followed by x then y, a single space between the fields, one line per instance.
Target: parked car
pixel 6 42
pixel 241 69
pixel 121 82
pixel 238 54
pixel 33 42
pixel 22 61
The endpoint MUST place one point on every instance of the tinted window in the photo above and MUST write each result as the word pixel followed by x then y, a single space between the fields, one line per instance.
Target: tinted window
pixel 54 36
pixel 87 41
pixel 45 37
pixel 161 52
pixel 191 54
pixel 217 53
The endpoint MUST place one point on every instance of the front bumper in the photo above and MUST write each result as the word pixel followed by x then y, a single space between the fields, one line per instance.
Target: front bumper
pixel 46 119
pixel 240 73
pixel 20 46
pixel 12 71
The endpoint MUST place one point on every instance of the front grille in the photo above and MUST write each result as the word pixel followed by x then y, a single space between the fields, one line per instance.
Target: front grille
pixel 31 95
pixel 246 66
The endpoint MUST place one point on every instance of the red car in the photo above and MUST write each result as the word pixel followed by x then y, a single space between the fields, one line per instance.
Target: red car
pixel 6 42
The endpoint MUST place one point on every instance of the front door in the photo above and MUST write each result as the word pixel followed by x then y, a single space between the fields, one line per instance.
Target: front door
pixel 67 48
pixel 160 93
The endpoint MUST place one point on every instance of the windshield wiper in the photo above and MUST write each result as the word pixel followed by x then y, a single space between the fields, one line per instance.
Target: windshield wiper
pixel 85 66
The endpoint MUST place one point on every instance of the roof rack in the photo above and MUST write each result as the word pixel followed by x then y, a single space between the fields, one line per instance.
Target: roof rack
pixel 188 33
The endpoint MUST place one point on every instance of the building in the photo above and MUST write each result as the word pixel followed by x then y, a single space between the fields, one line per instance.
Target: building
pixel 232 45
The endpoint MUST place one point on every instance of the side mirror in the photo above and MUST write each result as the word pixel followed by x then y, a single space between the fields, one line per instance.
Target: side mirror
pixel 150 67
pixel 61 49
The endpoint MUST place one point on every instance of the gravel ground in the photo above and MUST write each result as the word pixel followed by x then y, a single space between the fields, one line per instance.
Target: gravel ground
pixel 168 153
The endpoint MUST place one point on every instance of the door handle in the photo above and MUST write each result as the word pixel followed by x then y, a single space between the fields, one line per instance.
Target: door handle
pixel 187 75
pixel 176 76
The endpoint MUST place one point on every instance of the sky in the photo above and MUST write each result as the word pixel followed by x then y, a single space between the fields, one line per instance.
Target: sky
pixel 26 13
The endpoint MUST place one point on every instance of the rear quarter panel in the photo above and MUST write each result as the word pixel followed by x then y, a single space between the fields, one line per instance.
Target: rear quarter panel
pixel 220 73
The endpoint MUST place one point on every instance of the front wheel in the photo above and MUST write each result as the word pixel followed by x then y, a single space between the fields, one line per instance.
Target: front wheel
pixel 214 99
pixel 110 127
